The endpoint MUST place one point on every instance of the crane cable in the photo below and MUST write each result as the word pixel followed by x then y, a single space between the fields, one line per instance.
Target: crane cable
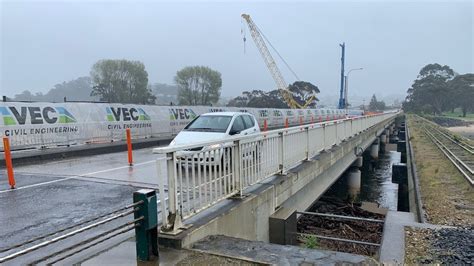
pixel 276 51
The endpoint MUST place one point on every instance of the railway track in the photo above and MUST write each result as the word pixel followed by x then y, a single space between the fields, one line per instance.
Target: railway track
pixel 458 151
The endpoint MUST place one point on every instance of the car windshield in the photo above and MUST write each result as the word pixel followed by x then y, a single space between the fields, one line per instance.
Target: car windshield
pixel 209 123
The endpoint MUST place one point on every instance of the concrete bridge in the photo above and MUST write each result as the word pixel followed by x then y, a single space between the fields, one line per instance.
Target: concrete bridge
pixel 251 187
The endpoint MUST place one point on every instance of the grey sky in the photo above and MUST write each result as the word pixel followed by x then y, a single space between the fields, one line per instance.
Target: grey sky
pixel 45 43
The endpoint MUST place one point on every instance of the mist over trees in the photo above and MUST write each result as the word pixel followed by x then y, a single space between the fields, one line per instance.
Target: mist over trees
pixel 121 81
pixel 75 90
pixel 165 94
pixel 198 85
pixel 438 89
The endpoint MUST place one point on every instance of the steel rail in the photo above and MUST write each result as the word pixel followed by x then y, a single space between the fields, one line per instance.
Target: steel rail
pixel 342 217
pixel 452 154
pixel 436 126
pixel 453 158
pixel 464 146
pixel 443 145
pixel 70 227
pixel 341 239
pixel 89 241
pixel 62 237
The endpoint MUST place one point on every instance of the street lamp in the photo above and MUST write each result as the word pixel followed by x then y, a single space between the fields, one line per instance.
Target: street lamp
pixel 346 78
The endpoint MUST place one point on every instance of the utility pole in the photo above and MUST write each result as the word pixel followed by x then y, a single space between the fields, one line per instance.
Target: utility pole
pixel 341 93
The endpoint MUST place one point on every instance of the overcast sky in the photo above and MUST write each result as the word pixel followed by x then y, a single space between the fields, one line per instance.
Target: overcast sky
pixel 47 42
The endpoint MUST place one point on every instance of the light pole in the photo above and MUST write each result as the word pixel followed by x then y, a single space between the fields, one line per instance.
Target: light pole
pixel 346 78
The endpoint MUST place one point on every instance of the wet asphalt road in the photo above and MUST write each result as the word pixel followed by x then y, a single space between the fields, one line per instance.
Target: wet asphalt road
pixel 55 195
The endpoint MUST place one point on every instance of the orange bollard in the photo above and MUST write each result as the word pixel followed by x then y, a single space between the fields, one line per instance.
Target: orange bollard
pixel 286 123
pixel 8 162
pixel 301 120
pixel 265 125
pixel 129 147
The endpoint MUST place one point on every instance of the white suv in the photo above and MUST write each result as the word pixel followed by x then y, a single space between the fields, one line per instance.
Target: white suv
pixel 215 126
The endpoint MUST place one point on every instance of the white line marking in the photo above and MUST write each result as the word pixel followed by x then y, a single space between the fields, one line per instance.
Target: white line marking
pixel 76 176
pixel 37 184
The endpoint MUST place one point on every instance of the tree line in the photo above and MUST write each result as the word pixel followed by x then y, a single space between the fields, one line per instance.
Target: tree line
pixel 126 81
pixel 438 89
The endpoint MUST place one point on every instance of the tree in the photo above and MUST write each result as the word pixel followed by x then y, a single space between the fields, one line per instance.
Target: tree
pixel 198 85
pixel 375 105
pixel 431 88
pixel 300 90
pixel 462 87
pixel 121 81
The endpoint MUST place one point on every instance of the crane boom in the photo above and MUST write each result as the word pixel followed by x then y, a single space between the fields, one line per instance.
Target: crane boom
pixel 272 66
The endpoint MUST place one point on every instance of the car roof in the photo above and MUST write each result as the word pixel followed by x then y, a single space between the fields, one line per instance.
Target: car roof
pixel 223 113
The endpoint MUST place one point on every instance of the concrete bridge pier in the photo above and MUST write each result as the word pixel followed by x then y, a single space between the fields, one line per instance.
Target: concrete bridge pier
pixel 358 162
pixel 353 181
pixel 383 138
pixel 374 150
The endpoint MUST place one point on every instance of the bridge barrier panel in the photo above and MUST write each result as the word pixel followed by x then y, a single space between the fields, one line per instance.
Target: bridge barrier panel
pixel 340 131
pixel 330 135
pixel 348 128
pixel 39 125
pixel 316 134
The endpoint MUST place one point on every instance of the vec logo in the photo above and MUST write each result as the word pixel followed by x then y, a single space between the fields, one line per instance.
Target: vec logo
pixel 126 114
pixel 36 115
pixel 181 114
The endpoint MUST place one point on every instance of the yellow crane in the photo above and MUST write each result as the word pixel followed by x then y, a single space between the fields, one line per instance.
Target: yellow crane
pixel 272 67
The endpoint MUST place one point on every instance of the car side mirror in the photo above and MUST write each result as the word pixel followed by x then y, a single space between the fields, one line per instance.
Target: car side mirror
pixel 233 132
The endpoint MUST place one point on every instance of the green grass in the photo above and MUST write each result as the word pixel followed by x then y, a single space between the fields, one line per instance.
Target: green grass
pixel 458 114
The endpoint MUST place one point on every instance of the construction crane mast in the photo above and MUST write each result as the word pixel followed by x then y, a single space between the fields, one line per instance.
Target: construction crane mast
pixel 272 66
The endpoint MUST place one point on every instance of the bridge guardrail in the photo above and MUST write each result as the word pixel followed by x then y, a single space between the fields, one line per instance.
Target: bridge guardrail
pixel 203 174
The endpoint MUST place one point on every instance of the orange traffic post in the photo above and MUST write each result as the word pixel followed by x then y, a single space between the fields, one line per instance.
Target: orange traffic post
pixel 301 120
pixel 8 162
pixel 265 125
pixel 286 123
pixel 129 147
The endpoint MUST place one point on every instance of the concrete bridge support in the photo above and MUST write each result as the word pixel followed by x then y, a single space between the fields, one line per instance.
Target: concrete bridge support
pixel 358 162
pixel 353 181
pixel 374 150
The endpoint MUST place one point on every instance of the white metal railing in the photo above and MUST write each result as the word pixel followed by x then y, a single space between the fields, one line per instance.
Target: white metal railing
pixel 202 174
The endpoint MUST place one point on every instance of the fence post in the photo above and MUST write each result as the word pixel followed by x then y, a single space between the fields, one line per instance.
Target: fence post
pixel 146 233
pixel 281 152
pixel 237 164
pixel 129 147
pixel 173 221
pixel 8 162
pixel 307 142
